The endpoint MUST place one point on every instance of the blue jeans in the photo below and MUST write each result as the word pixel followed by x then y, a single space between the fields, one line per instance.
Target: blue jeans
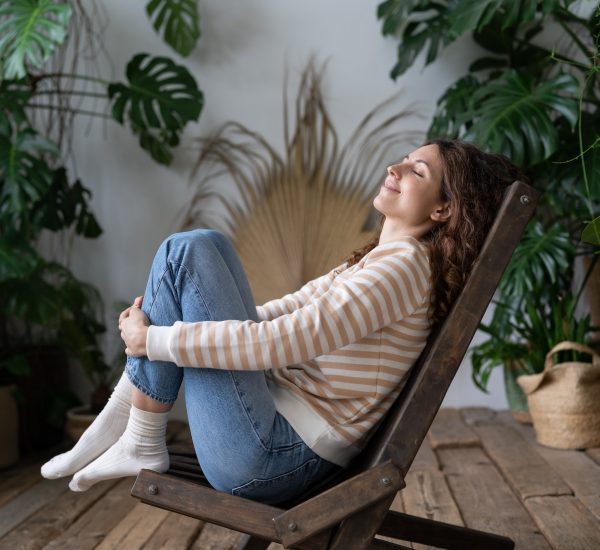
pixel 244 446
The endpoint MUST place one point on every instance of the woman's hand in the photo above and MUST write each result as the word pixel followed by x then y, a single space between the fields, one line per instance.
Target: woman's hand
pixel 133 325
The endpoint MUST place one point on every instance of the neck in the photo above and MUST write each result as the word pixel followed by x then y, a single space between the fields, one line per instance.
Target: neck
pixel 393 230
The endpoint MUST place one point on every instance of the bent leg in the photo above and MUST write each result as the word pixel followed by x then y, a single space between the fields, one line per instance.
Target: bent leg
pixel 195 276
pixel 189 278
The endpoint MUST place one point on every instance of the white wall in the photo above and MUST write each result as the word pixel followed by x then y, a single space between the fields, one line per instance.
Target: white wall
pixel 240 64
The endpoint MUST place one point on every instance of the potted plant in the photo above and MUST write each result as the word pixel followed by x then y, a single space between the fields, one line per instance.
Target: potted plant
pixel 541 107
pixel 46 313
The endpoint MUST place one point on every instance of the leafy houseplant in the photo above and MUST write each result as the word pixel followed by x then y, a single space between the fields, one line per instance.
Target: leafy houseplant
pixel 541 107
pixel 42 303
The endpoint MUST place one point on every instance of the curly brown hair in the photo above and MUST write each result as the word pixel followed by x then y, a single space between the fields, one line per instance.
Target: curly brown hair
pixel 473 182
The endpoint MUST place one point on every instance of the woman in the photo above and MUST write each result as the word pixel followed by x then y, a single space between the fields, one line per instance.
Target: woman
pixel 281 395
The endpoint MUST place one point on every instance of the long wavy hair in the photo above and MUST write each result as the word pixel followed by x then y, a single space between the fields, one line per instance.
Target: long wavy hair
pixel 473 183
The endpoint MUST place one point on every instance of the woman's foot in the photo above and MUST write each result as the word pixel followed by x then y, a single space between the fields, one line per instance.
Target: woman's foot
pixel 142 445
pixel 102 433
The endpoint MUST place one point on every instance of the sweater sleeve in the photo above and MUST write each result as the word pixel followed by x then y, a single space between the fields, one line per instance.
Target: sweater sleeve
pixel 290 302
pixel 383 291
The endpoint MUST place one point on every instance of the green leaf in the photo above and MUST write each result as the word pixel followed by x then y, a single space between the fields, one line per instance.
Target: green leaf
pixel 159 101
pixel 417 23
pixel 14 96
pixel 513 116
pixel 25 176
pixel 591 232
pixel 17 258
pixel 474 15
pixel 30 31
pixel 541 257
pixel 452 113
pixel 64 206
pixel 179 22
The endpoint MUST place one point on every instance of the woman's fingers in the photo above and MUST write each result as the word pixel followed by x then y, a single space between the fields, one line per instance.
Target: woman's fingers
pixel 138 301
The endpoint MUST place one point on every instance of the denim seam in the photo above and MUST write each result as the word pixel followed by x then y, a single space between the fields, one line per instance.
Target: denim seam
pixel 251 421
pixel 180 265
pixel 307 463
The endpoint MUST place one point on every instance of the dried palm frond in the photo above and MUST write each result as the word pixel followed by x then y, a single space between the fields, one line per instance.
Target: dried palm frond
pixel 298 215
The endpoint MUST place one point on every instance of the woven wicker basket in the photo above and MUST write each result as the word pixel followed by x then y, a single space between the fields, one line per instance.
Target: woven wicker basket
pixel 564 400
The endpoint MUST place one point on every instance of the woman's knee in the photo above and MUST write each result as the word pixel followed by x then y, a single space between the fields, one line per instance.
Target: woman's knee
pixel 194 239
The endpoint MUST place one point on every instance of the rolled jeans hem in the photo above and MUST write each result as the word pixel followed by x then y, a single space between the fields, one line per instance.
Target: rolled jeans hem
pixel 133 379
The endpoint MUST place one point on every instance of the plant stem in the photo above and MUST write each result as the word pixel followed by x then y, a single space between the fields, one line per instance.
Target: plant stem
pixel 71 92
pixel 68 110
pixel 74 76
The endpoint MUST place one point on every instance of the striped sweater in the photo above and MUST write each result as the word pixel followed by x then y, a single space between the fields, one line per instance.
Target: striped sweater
pixel 336 352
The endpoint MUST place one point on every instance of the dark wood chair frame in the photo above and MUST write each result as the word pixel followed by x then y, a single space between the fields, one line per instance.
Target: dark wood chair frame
pixel 346 512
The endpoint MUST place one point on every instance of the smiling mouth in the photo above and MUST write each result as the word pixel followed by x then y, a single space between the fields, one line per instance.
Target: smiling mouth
pixel 390 188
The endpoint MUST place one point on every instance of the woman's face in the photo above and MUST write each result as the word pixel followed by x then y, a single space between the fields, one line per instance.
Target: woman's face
pixel 410 195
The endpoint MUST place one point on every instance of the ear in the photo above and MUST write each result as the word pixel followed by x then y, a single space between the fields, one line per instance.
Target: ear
pixel 441 213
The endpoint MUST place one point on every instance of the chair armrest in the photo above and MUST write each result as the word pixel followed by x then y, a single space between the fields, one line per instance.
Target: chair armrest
pixel 338 503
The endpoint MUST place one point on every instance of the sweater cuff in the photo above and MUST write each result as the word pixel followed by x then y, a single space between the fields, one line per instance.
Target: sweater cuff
pixel 157 343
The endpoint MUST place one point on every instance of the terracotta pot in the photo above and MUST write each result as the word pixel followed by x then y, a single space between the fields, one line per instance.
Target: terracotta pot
pixel 9 427
pixel 78 420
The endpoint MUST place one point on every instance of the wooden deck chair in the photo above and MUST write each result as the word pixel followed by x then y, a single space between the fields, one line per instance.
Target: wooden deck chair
pixel 346 512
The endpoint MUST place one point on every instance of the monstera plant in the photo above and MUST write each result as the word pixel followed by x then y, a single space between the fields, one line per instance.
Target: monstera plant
pixel 47 79
pixel 534 96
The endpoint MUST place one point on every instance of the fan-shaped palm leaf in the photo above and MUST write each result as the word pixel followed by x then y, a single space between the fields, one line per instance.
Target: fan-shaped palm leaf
pixel 30 30
pixel 541 257
pixel 179 22
pixel 512 116
pixel 161 98
pixel 300 214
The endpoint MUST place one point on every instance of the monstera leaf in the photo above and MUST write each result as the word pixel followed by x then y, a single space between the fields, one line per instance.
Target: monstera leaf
pixel 471 15
pixel 30 31
pixel 17 258
pixel 24 177
pixel 453 109
pixel 179 22
pixel 513 116
pixel 160 99
pixel 540 258
pixel 14 95
pixel 428 24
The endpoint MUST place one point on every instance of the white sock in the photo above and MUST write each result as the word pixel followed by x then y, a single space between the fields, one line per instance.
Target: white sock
pixel 102 433
pixel 143 445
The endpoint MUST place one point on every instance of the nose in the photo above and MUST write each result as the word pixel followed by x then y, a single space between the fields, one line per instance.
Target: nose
pixel 394 170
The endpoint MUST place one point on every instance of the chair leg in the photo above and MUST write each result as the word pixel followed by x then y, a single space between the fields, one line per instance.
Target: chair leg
pixel 443 535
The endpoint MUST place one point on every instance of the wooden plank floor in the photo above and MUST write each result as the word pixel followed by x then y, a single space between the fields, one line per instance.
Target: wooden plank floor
pixel 477 468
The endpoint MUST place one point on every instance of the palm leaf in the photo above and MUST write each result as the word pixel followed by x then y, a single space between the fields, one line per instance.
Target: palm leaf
pixel 513 116
pixel 295 215
pixel 30 31
pixel 179 22
pixel 160 99
pixel 541 257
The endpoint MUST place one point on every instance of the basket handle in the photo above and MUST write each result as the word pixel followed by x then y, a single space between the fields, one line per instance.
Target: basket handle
pixel 566 345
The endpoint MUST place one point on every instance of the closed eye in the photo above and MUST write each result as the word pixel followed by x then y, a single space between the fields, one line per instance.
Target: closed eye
pixel 417 173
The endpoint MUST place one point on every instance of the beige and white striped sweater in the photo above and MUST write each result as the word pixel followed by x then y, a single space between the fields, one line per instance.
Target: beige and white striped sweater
pixel 336 352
